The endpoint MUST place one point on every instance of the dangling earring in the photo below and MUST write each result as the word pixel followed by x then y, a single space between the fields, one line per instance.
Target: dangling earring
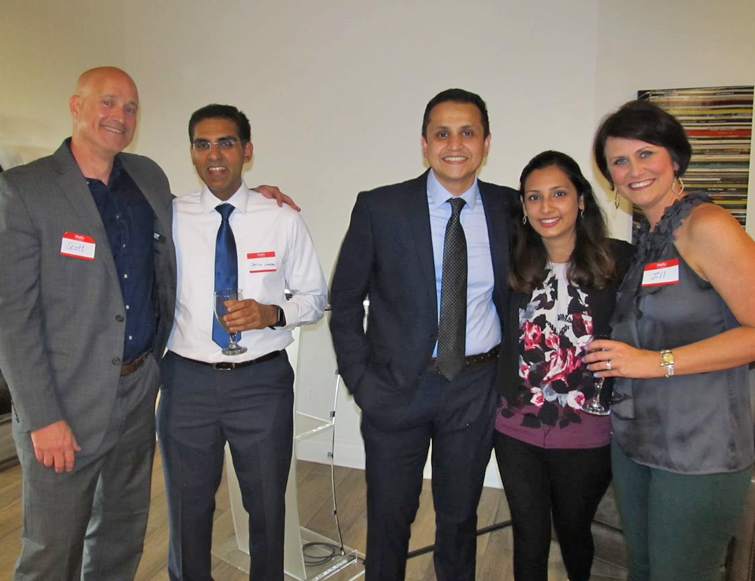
pixel 617 199
pixel 582 213
pixel 524 219
pixel 681 187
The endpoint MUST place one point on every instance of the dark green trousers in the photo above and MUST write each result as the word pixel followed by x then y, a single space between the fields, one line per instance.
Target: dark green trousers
pixel 677 526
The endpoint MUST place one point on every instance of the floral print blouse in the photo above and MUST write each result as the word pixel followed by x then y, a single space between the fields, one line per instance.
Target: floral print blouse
pixel 554 329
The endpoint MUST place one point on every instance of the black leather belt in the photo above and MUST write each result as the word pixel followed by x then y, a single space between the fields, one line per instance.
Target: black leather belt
pixel 133 365
pixel 230 365
pixel 474 360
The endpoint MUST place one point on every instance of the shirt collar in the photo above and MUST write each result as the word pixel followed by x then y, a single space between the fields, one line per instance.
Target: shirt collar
pixel 438 195
pixel 115 172
pixel 238 200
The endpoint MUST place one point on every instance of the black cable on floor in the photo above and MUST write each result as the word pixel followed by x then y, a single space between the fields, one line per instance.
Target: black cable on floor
pixel 330 549
pixel 482 531
pixel 333 551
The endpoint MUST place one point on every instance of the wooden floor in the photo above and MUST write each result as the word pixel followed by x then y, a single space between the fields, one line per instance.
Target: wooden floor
pixel 493 549
pixel 7 446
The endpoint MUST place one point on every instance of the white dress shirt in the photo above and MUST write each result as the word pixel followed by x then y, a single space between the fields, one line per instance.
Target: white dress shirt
pixel 275 252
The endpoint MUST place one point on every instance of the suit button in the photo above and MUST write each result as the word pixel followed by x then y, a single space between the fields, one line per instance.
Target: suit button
pixel 116 360
pixel 119 318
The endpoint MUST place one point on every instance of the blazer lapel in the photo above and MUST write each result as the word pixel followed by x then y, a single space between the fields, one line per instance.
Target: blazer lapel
pixel 496 217
pixel 74 186
pixel 162 220
pixel 418 215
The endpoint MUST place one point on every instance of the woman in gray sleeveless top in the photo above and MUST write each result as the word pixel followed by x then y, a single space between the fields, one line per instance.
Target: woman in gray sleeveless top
pixel 683 334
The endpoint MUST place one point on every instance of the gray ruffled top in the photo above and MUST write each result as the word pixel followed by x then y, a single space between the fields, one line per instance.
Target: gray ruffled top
pixel 690 424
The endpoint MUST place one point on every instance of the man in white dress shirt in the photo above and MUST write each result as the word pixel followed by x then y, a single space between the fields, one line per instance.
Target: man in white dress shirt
pixel 209 398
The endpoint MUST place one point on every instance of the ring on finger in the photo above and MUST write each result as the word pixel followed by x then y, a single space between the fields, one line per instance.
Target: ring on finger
pixel 608 364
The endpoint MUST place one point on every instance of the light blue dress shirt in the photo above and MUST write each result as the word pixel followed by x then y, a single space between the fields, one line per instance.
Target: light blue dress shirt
pixel 483 324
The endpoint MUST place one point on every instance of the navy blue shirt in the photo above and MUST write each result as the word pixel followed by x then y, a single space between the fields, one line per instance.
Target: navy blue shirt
pixel 128 220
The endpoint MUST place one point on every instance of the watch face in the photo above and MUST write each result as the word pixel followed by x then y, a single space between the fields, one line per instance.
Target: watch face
pixel 667 357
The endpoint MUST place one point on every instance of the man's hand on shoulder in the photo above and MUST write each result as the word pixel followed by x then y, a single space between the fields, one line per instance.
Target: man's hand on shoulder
pixel 272 192
pixel 248 315
pixel 55 446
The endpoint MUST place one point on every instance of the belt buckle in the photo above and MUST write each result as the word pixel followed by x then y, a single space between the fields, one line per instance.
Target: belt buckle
pixel 223 366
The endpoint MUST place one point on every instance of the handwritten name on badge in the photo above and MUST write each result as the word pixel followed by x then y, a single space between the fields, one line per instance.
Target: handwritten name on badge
pixel 77 246
pixel 661 273
pixel 261 262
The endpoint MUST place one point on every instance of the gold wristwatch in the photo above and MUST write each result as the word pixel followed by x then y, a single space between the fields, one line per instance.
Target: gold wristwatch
pixel 667 362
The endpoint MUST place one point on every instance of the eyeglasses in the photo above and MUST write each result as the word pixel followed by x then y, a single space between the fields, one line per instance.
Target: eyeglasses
pixel 204 146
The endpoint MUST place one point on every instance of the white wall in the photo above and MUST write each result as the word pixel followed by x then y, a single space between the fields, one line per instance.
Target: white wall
pixel 45 46
pixel 335 90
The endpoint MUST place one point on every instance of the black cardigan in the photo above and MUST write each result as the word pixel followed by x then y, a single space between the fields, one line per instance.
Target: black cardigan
pixel 508 382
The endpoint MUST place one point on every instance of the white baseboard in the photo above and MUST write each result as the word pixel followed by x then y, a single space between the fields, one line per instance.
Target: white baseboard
pixel 317 449
pixel 351 455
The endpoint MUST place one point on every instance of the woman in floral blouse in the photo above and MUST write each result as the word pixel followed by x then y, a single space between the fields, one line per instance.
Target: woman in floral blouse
pixel 554 458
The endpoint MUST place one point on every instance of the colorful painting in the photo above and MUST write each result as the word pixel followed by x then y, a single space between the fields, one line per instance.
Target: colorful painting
pixel 718 121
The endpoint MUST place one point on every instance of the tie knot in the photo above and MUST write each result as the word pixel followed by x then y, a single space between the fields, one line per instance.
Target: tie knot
pixel 456 205
pixel 225 210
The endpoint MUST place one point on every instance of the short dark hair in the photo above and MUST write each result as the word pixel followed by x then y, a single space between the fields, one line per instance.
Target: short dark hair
pixel 590 264
pixel 215 111
pixel 457 96
pixel 644 121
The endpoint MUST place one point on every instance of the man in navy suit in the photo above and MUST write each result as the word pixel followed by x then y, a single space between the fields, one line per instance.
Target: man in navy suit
pixel 397 369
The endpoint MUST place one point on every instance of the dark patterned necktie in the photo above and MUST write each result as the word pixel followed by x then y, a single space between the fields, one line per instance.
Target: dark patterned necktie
pixel 452 328
pixel 226 268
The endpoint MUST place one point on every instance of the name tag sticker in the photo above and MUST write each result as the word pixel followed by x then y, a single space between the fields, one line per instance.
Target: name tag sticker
pixel 77 246
pixel 261 262
pixel 661 273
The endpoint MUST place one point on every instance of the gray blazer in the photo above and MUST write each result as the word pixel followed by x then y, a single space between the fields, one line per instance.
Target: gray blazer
pixel 61 318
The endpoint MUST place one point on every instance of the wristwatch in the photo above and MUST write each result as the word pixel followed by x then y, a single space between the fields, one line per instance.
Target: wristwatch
pixel 281 321
pixel 667 362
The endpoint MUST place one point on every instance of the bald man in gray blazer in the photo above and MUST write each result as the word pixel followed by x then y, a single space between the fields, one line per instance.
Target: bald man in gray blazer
pixel 87 295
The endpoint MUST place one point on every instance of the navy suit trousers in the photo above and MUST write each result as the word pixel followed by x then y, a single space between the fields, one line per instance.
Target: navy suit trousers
pixel 201 409
pixel 458 418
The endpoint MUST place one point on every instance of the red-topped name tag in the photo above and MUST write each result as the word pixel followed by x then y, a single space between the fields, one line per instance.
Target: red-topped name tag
pixel 77 246
pixel 261 262
pixel 661 273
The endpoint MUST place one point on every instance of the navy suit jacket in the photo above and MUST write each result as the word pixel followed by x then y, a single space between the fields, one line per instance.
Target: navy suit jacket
pixel 387 254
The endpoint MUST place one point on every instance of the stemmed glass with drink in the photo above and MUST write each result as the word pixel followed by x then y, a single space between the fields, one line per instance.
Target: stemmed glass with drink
pixel 221 309
pixel 593 406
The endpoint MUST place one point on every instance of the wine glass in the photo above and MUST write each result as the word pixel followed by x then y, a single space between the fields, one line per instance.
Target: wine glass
pixel 221 298
pixel 594 406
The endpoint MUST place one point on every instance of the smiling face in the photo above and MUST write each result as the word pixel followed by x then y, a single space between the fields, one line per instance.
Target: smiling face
pixel 104 111
pixel 455 145
pixel 643 173
pixel 552 203
pixel 220 168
